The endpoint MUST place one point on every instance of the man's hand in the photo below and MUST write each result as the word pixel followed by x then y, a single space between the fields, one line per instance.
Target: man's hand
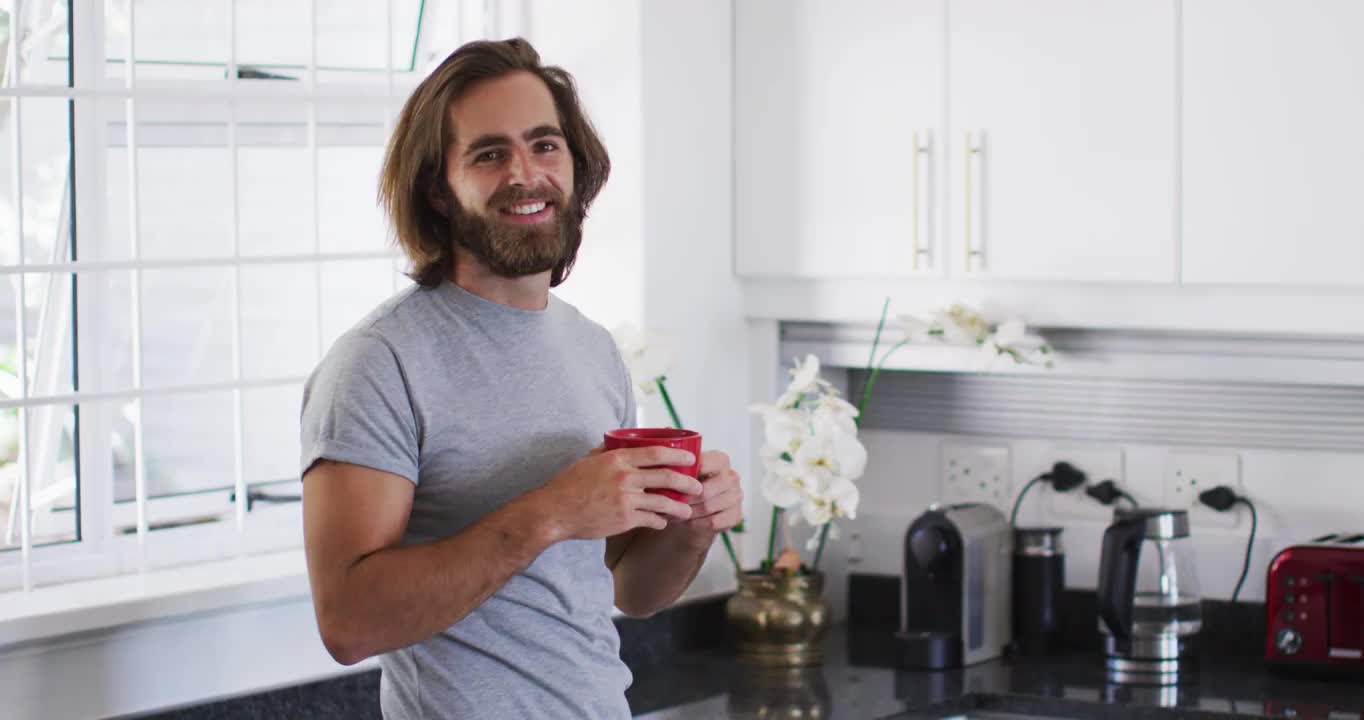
pixel 720 506
pixel 604 493
pixel 652 569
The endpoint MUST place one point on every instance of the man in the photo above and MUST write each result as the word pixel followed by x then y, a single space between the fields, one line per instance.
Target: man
pixel 460 517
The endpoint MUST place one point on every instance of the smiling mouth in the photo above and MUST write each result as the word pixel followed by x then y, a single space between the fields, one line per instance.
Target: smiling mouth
pixel 527 209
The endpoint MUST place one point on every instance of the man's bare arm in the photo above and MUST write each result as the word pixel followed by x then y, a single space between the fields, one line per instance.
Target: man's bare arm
pixel 372 595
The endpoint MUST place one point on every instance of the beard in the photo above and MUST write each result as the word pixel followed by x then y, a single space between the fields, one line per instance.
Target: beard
pixel 513 250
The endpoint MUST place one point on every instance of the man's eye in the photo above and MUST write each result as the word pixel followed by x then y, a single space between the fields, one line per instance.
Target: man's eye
pixel 547 146
pixel 489 156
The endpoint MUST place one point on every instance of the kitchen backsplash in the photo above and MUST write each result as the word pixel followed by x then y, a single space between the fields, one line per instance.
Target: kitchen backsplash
pixel 1299 492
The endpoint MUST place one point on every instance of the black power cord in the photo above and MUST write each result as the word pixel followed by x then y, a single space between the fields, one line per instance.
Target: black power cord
pixel 1222 499
pixel 1063 477
pixel 1108 492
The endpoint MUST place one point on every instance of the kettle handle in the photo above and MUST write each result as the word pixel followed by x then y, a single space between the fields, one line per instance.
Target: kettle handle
pixel 1118 575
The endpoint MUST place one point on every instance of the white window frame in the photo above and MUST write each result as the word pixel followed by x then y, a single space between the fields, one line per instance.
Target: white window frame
pixel 102 550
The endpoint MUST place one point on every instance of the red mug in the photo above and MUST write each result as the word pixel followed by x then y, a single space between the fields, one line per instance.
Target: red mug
pixel 688 440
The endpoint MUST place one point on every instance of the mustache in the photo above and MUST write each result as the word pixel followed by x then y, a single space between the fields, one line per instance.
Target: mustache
pixel 513 194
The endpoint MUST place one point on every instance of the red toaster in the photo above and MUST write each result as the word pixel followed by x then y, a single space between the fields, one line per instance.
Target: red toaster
pixel 1314 600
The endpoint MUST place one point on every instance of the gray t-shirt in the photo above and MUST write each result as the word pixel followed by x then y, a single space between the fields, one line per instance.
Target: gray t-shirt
pixel 477 403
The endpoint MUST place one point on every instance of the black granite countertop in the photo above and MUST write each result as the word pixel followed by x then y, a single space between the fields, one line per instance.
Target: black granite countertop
pixel 857 682
pixel 684 669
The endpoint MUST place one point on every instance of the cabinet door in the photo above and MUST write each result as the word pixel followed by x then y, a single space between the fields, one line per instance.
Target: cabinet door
pixel 1062 140
pixel 838 110
pixel 1273 161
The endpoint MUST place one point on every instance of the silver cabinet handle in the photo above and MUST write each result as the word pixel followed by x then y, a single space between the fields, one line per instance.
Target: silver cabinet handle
pixel 975 154
pixel 923 193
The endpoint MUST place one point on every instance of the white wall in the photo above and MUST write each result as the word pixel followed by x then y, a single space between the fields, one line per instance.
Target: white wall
pixel 656 79
pixel 603 56
pixel 1299 495
pixel 689 288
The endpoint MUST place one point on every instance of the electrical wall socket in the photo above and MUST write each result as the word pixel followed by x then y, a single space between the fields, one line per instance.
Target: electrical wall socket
pixel 976 473
pixel 1098 464
pixel 1189 473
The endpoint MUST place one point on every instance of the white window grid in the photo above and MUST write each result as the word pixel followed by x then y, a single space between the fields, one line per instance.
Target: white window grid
pixel 101 551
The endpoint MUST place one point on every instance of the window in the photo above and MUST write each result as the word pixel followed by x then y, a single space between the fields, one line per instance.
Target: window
pixel 182 236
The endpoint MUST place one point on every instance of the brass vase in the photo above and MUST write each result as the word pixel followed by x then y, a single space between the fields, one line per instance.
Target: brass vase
pixel 779 621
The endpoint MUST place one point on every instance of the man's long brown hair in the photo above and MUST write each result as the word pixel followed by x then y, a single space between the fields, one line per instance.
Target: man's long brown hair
pixel 414 164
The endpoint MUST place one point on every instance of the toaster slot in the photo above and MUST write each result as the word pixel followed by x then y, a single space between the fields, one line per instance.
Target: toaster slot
pixel 1343 618
pixel 1328 537
pixel 1358 582
pixel 1351 539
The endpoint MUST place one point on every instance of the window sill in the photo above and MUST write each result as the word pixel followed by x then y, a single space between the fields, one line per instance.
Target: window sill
pixel 105 603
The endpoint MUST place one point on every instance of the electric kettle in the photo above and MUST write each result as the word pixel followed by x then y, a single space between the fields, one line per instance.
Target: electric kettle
pixel 1150 613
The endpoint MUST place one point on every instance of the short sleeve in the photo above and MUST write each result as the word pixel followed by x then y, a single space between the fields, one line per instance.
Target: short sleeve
pixel 357 409
pixel 630 416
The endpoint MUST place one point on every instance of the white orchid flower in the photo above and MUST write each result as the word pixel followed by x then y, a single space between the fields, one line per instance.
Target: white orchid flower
pixel 805 375
pixel 839 502
pixel 848 452
pixel 834 410
pixel 775 461
pixel 1012 338
pixel 647 356
pixel 782 489
pixel 816 511
pixel 810 453
pixel 915 329
pixel 963 325
pixel 846 497
pixel 790 399
pixel 829 454
pixel 785 430
pixel 960 324
pixel 805 380
pixel 1010 332
pixel 815 460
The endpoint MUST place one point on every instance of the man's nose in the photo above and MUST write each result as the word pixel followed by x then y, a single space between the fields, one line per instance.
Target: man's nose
pixel 520 170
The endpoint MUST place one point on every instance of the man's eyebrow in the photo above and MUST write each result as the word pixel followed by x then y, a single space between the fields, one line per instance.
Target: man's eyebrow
pixel 542 131
pixel 493 140
pixel 486 141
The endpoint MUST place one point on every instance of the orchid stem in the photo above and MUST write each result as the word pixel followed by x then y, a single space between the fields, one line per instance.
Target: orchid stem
pixel 872 367
pixel 677 423
pixel 819 552
pixel 871 380
pixel 873 371
pixel 772 536
pixel 668 401
pixel 729 548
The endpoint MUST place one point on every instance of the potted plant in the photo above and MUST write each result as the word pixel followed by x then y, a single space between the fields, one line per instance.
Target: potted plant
pixel 811 458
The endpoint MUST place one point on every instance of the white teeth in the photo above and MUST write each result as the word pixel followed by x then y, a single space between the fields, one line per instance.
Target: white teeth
pixel 530 209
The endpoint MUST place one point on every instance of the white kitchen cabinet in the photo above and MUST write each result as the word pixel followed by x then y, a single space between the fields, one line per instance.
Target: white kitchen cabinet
pixel 1273 159
pixel 1062 143
pixel 839 112
pixel 1059 162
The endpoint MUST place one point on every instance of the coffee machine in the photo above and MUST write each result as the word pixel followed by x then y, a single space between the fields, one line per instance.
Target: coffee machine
pixel 955 590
